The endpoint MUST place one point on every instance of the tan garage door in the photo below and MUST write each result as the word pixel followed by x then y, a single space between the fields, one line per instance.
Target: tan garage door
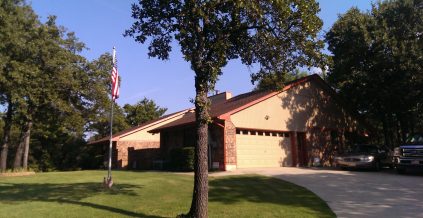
pixel 265 150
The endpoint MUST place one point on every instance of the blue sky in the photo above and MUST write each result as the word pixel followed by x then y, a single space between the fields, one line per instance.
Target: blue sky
pixel 101 23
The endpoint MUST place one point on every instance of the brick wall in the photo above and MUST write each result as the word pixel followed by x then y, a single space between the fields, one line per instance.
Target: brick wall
pixel 124 146
pixel 143 159
pixel 230 145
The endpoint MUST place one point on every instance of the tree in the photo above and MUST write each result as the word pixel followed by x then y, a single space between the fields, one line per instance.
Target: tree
pixel 276 81
pixel 378 62
pixel 18 29
pixel 47 88
pixel 98 122
pixel 56 84
pixel 278 35
pixel 22 150
pixel 81 106
pixel 143 111
pixel 101 125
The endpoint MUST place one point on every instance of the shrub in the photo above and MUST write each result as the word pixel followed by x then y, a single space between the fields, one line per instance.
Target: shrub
pixel 182 159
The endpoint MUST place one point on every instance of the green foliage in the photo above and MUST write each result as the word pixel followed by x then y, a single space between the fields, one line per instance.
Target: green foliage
pixel 378 65
pixel 101 124
pixel 91 157
pixel 45 81
pixel 143 111
pixel 46 163
pixel 279 36
pixel 182 159
pixel 17 57
pixel 276 81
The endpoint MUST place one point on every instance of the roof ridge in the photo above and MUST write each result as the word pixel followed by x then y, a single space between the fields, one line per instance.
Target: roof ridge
pixel 246 94
pixel 230 106
pixel 131 129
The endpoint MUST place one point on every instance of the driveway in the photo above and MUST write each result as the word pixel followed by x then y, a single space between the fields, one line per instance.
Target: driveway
pixel 356 193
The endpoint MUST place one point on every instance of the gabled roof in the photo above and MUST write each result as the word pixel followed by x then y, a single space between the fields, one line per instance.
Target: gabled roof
pixel 223 110
pixel 140 127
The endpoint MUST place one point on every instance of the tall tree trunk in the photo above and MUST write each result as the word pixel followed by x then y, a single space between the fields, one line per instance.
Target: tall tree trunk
pixel 396 128
pixel 23 146
pixel 26 143
pixel 412 119
pixel 385 131
pixel 17 164
pixel 200 197
pixel 6 137
pixel 393 130
pixel 403 127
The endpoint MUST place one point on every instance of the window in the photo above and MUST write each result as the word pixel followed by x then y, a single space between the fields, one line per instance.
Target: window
pixel 189 139
pixel 415 139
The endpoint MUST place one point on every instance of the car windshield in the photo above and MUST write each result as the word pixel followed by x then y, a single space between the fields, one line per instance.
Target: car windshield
pixel 415 139
pixel 363 149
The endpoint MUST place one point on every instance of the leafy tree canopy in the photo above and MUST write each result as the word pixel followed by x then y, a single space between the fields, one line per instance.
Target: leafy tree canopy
pixel 378 64
pixel 276 81
pixel 279 36
pixel 143 111
pixel 47 88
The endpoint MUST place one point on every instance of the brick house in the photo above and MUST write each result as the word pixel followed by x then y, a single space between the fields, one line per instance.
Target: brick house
pixel 296 126
pixel 136 148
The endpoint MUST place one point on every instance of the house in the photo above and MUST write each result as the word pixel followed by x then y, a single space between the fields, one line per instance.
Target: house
pixel 301 125
pixel 136 148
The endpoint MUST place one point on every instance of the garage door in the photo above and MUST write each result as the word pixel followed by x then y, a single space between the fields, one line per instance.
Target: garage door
pixel 262 149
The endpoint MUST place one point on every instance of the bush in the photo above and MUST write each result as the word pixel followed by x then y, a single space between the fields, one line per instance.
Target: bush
pixel 182 159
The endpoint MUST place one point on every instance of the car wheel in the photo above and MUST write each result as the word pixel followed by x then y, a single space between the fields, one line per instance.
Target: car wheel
pixel 400 170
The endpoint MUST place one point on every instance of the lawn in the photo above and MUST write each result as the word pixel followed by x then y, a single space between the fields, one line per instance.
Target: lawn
pixel 152 194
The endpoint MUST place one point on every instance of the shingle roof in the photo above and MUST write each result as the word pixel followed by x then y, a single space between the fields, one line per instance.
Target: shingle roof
pixel 222 110
pixel 138 127
pixel 217 109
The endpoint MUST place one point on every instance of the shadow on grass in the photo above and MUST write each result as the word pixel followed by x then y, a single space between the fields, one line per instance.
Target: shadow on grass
pixel 260 189
pixel 66 193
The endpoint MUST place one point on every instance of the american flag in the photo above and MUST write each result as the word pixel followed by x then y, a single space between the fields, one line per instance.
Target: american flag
pixel 115 78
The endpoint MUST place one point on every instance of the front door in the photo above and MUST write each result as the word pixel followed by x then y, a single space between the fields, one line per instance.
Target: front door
pixel 302 149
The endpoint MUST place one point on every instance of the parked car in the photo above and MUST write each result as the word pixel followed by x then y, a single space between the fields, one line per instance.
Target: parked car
pixel 365 156
pixel 410 154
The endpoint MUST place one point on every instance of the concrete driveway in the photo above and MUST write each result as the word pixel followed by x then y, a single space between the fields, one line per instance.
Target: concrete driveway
pixel 356 193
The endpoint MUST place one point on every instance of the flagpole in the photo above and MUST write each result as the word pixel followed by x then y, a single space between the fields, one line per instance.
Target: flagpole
pixel 109 173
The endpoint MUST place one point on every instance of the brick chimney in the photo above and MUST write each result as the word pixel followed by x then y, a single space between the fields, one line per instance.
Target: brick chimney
pixel 220 97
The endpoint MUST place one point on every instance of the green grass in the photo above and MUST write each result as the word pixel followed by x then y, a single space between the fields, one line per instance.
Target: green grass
pixel 152 194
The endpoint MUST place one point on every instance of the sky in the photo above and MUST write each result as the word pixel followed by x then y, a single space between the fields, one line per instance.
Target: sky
pixel 100 24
